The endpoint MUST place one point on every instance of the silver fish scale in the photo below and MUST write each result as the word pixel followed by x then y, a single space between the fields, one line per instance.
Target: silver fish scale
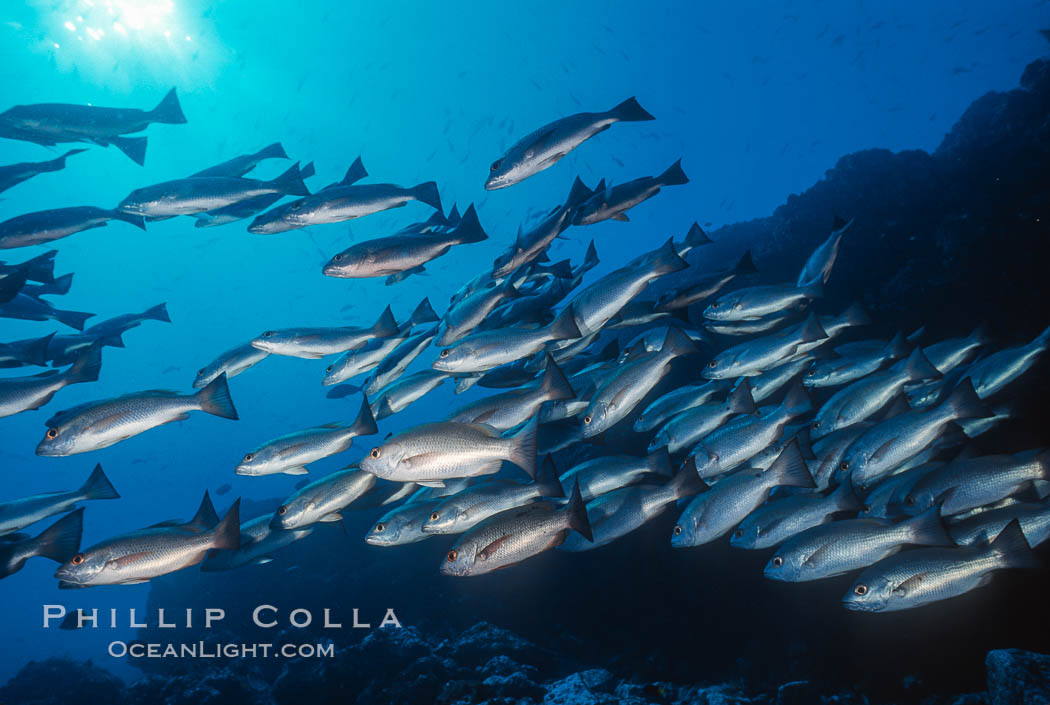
pixel 846 545
pixel 165 551
pixel 941 572
pixel 975 482
pixel 523 532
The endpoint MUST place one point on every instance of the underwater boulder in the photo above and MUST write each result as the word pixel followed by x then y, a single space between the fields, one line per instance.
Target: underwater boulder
pixel 1017 677
pixel 57 681
pixel 482 641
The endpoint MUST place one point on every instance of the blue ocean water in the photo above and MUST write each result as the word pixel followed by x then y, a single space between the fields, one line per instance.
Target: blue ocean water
pixel 757 100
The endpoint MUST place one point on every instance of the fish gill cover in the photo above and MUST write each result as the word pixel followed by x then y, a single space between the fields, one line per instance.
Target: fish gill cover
pixel 787 458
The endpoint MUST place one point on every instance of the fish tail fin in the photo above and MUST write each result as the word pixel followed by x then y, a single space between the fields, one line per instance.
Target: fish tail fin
pixel 157 313
pixel 307 171
pixel 1012 547
pixel 227 534
pixel 564 327
pixel 964 403
pixel 523 449
pixel 137 220
pixel 61 541
pixel 423 313
pixel 206 517
pixel 114 340
pixel 36 352
pixel 673 175
pixel 811 330
pixel 553 385
pixel 133 147
pixel 917 367
pixel 61 285
pixel 659 462
pixel 98 486
pixel 746 265
pixel 215 398
pixel 740 399
pixel 427 193
pixel 59 162
pixel 87 366
pixel 981 336
pixel 814 290
pixel 291 182
pixel 385 326
pixel 469 229
pixel 630 111
pixel 365 423
pixel 677 343
pixel 590 258
pixel 73 319
pixel 577 513
pixel 547 482
pixel 168 110
pixel 562 269
pixel 797 401
pixel 928 529
pixel 666 260
pixel 1043 339
pixel 898 347
pixel 856 315
pixel 696 236
pixel 41 268
pixel 578 193
pixel 790 467
pixel 687 481
pixel 272 151
pixel 845 498
pixel 355 173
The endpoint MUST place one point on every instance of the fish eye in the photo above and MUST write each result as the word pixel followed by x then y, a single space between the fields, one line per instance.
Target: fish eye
pixel 452 555
pixel 338 258
pixel 248 457
pixel 712 364
pixel 860 590
pixel 200 371
pixel 739 533
pixel 910 501
pixel 434 516
pixel 810 373
pixel 715 305
pixel 587 418
pixel 844 465
pixel 375 453
pixel 283 509
pixel 444 353
pixel 267 334
pixel 380 528
pixel 777 561
pixel 329 368
pixel 77 559
pixel 677 530
pixel 52 432
pixel 816 424
pixel 496 165
pixel 865 508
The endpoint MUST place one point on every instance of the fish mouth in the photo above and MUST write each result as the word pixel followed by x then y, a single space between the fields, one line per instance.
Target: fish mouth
pixel 47 451
pixel 242 470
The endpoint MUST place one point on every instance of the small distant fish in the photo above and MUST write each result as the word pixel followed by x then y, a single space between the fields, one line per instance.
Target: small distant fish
pixel 231 363
pixel 46 226
pixel 259 541
pixel 14 174
pixel 30 308
pixel 613 202
pixel 401 525
pixel 398 394
pixel 242 164
pixel 817 269
pixel 482 351
pixel 314 343
pixel 224 488
pixel 20 513
pixel 18 394
pixel 992 373
pixel 322 500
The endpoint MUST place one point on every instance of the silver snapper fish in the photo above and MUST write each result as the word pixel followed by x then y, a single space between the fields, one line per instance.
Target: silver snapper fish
pixel 886 499
pixel 198 194
pixel 483 351
pixel 598 476
pixel 817 268
pixel 515 535
pixel 259 541
pixel 756 356
pixel 615 514
pixel 840 547
pixel 52 123
pixel 18 394
pixel 759 301
pixel 598 303
pixel 322 501
pixel 984 527
pixel 529 246
pixel 364 359
pixel 969 483
pixel 754 326
pixel 46 226
pixel 118 325
pixel 59 542
pixel 706 286
pixel 890 443
pixel 397 254
pixel 279 219
pixel 949 354
pixel 231 363
pixel 401 525
pixel 990 374
pixel 542 148
pixel 398 360
pixel 399 394
pixel 778 520
pixel 100 424
pixel 315 343
pixel 848 368
pixel 342 202
pixel 920 577
pixel 467 314
pixel 434 452
pixel 677 401
pixel 743 438
pixel 20 513
pixel 864 398
pixel 146 554
pixel 14 174
pixel 768 383
pixel 853 316
pixel 613 202
pixel 625 388
pixel 714 513
pixel 468 508
pixel 687 428
pixel 30 308
pixel 290 454
pixel 506 410
pixel 243 163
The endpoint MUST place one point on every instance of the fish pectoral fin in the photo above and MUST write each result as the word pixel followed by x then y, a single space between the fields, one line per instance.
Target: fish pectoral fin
pixel 297 470
pixel 882 450
pixel 622 217
pixel 552 159
pixel 262 560
pixel 910 584
pixel 489 550
pixel 130 559
pixel 334 516
pixel 290 450
pixel 814 558
pixel 543 138
pixel 137 581
pixel 104 422
pixel 430 483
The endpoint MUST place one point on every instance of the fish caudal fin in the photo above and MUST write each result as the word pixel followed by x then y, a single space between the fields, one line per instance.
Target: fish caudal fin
pixel 659 462
pixel 630 111
pixel 61 541
pixel 564 326
pixel 133 147
pixel 365 423
pixel 98 486
pixel 73 319
pixel 674 175
pixel 385 326
pixel 523 447
pixel 790 467
pixel 964 403
pixel 577 513
pixel 227 533
pixel 215 398
pixel 740 400
pixel 157 313
pixel 168 110
pixel 918 368
pixel 291 182
pixel 36 352
pixel 687 481
pixel 428 193
pixel 547 482
pixel 355 173
pixel 696 236
pixel 746 265
pixel 927 529
pixel 424 313
pixel 137 220
pixel 206 517
pixel 553 384
pixel 1012 547
pixel 469 228
pixel 666 260
pixel 272 151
